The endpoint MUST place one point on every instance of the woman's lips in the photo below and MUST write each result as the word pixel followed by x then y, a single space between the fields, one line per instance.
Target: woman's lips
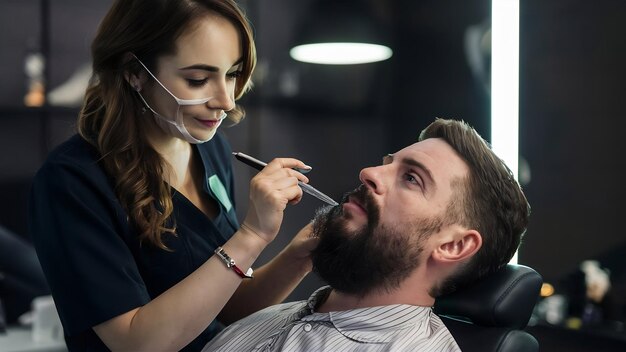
pixel 209 123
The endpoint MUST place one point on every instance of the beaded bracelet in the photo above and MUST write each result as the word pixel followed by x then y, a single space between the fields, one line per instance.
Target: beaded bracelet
pixel 230 263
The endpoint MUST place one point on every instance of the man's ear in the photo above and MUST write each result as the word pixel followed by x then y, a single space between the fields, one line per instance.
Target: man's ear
pixel 132 78
pixel 460 245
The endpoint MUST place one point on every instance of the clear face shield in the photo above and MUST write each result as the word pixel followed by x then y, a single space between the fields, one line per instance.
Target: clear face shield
pixel 175 124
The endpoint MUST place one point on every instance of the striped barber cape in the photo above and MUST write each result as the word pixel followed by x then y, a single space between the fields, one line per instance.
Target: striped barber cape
pixel 296 327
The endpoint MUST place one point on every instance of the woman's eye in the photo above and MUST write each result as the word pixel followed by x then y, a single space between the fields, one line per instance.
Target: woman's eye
pixel 234 74
pixel 196 82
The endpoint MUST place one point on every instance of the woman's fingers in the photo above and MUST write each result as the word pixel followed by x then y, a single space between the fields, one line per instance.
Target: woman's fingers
pixel 287 164
pixel 270 192
pixel 276 189
pixel 284 180
pixel 300 247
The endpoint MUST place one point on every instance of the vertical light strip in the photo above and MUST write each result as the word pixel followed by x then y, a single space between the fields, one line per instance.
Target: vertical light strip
pixel 505 83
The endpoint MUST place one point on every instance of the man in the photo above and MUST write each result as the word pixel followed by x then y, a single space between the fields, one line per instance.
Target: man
pixel 435 216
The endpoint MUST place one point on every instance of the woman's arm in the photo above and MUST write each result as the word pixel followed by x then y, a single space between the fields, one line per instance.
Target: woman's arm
pixel 180 314
pixel 173 319
pixel 274 281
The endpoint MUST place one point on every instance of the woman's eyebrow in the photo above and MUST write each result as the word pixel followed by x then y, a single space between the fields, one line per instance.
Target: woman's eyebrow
pixel 204 67
pixel 208 68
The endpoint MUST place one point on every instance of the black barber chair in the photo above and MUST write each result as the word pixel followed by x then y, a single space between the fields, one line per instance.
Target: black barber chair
pixel 21 276
pixel 491 314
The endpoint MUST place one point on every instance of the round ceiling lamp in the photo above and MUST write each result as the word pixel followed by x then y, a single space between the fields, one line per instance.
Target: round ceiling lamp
pixel 340 53
pixel 340 33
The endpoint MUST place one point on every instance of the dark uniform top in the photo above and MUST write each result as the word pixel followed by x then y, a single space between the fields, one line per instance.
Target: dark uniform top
pixel 92 258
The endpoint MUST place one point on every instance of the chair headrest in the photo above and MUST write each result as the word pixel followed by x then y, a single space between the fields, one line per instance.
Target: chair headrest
pixel 505 298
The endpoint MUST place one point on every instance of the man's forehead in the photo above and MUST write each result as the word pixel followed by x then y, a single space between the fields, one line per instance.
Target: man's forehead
pixel 434 146
pixel 436 154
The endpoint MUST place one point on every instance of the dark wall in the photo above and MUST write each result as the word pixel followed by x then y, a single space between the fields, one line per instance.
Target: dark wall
pixel 27 135
pixel 572 113
pixel 431 75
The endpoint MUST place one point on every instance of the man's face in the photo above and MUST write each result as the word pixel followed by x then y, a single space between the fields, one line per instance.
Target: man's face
pixel 374 239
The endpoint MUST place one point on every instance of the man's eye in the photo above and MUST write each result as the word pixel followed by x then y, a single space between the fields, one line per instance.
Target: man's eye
pixel 412 179
pixel 196 82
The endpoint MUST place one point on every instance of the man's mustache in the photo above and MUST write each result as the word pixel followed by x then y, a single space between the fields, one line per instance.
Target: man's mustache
pixel 364 197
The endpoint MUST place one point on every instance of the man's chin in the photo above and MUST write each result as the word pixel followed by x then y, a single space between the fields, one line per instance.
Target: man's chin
pixel 352 226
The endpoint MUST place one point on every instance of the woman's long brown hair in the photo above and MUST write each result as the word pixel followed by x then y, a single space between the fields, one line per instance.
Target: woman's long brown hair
pixel 111 116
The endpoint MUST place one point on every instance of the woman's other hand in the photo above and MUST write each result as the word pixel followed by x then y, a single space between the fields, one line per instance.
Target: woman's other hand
pixel 298 251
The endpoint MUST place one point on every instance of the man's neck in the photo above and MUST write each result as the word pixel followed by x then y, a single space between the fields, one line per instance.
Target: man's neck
pixel 415 296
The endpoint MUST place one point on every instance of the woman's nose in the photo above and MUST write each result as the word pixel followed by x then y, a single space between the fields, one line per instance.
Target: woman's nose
pixel 223 97
pixel 373 178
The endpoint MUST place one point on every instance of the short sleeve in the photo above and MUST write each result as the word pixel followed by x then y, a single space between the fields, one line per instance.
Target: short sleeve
pixel 78 228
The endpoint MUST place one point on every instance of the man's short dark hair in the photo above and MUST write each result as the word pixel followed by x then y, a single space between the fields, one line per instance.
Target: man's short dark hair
pixel 489 201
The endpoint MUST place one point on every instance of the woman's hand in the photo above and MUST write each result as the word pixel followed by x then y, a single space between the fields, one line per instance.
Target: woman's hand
pixel 270 191
pixel 298 251
pixel 275 280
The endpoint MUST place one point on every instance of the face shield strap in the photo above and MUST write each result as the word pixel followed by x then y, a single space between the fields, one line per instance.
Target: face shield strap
pixel 177 122
pixel 178 100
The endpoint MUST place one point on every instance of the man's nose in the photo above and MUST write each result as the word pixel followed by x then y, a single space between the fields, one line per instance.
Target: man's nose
pixel 373 178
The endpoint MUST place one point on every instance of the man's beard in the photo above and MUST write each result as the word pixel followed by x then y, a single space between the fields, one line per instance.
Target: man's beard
pixel 373 258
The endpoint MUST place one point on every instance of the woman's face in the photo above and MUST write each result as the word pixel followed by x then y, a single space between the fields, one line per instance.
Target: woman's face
pixel 207 64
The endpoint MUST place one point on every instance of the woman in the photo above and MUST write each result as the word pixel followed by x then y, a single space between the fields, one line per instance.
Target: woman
pixel 126 216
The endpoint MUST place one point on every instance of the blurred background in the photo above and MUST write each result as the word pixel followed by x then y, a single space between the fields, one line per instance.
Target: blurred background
pixel 341 118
